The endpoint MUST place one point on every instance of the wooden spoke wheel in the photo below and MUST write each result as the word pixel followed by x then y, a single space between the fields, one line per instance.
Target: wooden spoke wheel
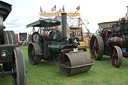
pixel 18 68
pixel 116 56
pixel 33 49
pixel 96 47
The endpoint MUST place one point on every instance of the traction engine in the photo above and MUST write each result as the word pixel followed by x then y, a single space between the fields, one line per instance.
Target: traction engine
pixel 11 56
pixel 111 41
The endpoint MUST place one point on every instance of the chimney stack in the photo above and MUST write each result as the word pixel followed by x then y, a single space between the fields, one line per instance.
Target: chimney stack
pixel 64 25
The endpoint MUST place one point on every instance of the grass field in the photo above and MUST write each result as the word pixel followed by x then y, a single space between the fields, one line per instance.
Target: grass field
pixel 101 73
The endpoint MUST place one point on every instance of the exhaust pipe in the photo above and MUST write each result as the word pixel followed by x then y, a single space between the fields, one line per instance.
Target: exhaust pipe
pixel 64 25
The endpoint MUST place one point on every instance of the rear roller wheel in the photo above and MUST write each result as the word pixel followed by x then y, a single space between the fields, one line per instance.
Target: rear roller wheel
pixel 116 56
pixel 76 63
pixel 18 70
pixel 96 47
pixel 33 53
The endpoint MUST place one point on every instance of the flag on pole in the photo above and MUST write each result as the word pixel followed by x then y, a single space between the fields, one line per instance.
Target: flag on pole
pixel 63 9
pixel 41 9
pixel 78 8
pixel 54 8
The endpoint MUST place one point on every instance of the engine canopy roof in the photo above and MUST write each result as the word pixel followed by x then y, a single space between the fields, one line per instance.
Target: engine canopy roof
pixel 45 23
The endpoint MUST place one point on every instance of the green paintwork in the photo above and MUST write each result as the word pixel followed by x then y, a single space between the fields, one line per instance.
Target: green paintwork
pixel 9 50
pixel 2 74
pixel 54 47
pixel 45 23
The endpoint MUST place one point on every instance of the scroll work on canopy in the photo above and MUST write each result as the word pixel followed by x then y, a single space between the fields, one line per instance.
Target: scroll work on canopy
pixel 51 14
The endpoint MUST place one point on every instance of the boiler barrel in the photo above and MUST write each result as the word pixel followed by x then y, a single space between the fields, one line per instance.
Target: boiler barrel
pixel 54 47
pixel 115 41
pixel 122 42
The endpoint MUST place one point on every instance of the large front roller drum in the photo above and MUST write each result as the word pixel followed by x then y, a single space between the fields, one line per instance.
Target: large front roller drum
pixel 34 53
pixel 96 47
pixel 76 63
pixel 116 56
pixel 18 68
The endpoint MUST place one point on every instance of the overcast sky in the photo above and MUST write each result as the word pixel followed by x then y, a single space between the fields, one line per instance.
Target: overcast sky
pixel 95 11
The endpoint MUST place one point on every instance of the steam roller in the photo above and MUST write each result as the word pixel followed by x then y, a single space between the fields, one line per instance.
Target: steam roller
pixel 50 44
pixel 11 56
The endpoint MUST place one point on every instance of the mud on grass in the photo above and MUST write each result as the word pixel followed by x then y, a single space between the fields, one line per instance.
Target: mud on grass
pixel 101 73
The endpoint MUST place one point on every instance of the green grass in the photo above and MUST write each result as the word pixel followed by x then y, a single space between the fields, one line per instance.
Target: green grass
pixel 101 73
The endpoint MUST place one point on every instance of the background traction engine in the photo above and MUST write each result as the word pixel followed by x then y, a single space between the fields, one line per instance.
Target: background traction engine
pixel 11 56
pixel 55 47
pixel 111 41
